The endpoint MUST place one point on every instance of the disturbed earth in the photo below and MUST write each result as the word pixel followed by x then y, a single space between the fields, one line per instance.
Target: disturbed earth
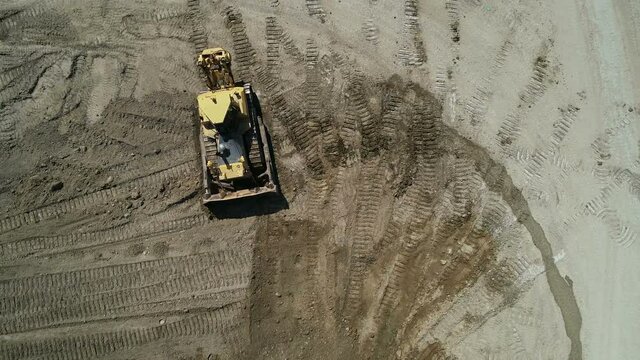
pixel 397 236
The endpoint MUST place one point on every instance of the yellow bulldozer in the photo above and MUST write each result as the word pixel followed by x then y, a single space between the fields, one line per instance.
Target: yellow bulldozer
pixel 234 142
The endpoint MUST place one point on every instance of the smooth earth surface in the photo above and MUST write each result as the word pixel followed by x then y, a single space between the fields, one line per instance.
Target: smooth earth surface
pixel 460 178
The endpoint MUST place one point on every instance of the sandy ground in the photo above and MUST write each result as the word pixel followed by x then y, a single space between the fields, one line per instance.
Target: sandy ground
pixel 461 180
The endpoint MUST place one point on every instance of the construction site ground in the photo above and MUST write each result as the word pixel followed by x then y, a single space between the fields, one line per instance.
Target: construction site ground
pixel 460 180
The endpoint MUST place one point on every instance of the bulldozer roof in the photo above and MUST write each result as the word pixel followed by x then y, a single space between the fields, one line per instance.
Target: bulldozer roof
pixel 213 105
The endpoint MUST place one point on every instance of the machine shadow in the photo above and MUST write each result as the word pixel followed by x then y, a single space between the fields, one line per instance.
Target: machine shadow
pixel 262 204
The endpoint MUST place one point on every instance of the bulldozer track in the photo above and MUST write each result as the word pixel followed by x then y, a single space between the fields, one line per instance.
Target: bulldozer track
pixel 540 157
pixel 273 33
pixel 315 9
pixel 198 36
pixel 290 47
pixel 618 230
pixel 417 212
pixel 158 130
pixel 453 12
pixel 371 31
pixel 466 182
pixel 391 116
pixel 476 105
pixel 245 54
pixel 98 197
pixel 369 126
pixel 510 128
pixel 129 170
pixel 366 218
pixel 299 133
pixel 412 52
pixel 313 110
pixel 68 242
pixel 127 302
pixel 217 321
pixel 120 276
pixel 24 81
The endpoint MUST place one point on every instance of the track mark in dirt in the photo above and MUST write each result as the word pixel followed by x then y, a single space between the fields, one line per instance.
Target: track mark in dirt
pixel 95 198
pixel 368 124
pixel 224 322
pixel 273 33
pixel 51 245
pixel 362 244
pixel 301 133
pixel 383 282
pixel 115 277
pixel 561 127
pixel 453 10
pixel 476 106
pixel 510 128
pixel 412 51
pixel 315 9
pixel 198 35
pixel 244 53
pixel 561 289
pixel 371 31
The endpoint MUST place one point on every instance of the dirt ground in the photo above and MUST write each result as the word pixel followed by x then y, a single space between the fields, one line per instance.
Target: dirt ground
pixel 460 180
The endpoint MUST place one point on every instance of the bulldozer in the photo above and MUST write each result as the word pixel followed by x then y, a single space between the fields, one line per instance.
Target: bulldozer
pixel 234 142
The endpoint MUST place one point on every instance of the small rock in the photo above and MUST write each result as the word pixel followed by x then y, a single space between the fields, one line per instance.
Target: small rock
pixel 157 151
pixel 162 188
pixel 57 185
pixel 278 294
pixel 109 180
pixel 82 148
pixel 126 215
pixel 162 321
pixel 443 262
pixel 135 195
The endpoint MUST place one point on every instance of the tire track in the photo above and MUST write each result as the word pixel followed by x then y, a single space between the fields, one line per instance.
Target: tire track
pixel 476 105
pixel 98 197
pixel 367 214
pixel 620 232
pixel 315 9
pixel 391 115
pixel 330 139
pixel 222 322
pixel 538 159
pixel 274 35
pixel 245 55
pixel 48 245
pixel 300 133
pixel 158 297
pixel 368 124
pixel 412 51
pixel 290 47
pixel 453 12
pixel 313 110
pixel 114 277
pixel 509 130
pixel 371 31
pixel 198 34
